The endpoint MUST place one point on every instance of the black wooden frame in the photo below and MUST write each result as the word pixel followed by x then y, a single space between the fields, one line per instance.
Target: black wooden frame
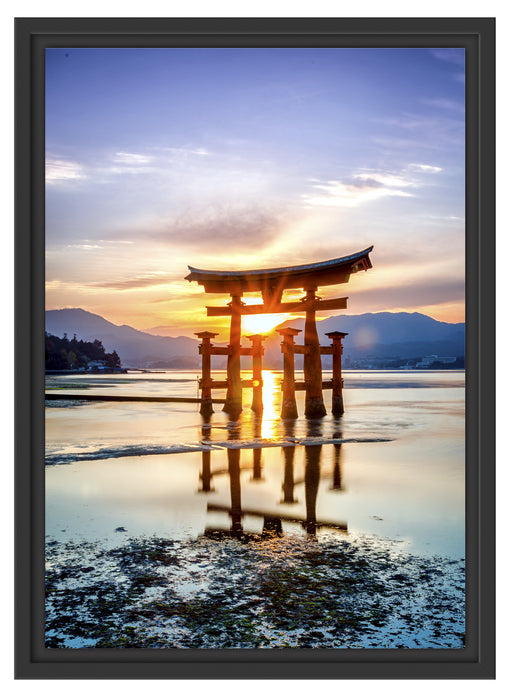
pixel 477 659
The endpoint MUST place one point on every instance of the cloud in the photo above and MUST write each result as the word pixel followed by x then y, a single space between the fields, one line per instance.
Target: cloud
pixel 140 281
pixel 125 163
pixel 132 158
pixel 444 103
pixel 115 241
pixel 158 155
pixel 185 152
pixel 422 168
pixel 410 295
pixel 444 218
pixel 386 179
pixel 221 228
pixel 436 131
pixel 84 246
pixel 58 171
pixel 427 125
pixel 156 161
pixel 362 188
pixel 120 163
pixel 455 56
pixel 391 144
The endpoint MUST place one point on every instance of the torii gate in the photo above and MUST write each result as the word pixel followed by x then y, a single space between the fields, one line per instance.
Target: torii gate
pixel 271 283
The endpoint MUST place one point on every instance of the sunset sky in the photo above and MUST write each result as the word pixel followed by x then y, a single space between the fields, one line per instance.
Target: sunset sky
pixel 248 158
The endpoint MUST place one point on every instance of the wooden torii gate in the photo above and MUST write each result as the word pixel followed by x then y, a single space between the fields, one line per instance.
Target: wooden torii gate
pixel 271 283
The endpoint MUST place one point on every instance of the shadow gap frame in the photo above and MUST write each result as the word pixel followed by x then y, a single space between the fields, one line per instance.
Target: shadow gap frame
pixel 477 36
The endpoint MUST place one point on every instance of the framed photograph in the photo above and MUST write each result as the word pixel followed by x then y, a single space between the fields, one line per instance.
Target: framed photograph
pixel 255 348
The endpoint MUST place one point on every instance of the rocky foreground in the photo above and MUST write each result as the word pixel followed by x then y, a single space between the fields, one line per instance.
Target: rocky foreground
pixel 252 593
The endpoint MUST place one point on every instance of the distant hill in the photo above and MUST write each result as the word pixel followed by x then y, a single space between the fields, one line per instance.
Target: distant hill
pixel 135 348
pixel 390 336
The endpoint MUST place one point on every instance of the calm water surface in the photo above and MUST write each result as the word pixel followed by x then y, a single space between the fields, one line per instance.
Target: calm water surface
pixel 393 466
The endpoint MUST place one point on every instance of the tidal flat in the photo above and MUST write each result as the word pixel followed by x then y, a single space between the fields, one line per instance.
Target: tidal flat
pixel 251 592
pixel 164 530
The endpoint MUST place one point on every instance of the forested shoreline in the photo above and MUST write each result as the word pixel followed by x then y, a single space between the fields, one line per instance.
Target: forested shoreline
pixel 65 354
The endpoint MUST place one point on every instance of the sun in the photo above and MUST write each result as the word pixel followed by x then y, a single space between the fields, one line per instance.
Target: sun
pixel 261 323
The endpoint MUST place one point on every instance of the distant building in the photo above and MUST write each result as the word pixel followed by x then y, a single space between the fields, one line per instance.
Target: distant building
pixel 95 365
pixel 432 359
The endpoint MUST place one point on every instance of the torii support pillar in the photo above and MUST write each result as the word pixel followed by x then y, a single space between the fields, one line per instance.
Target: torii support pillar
pixel 206 405
pixel 289 409
pixel 337 381
pixel 257 371
pixel 233 399
pixel 314 405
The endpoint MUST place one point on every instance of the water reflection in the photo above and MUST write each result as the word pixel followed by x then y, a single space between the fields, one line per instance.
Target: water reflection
pixel 131 477
pixel 337 484
pixel 257 462
pixel 272 521
pixel 288 485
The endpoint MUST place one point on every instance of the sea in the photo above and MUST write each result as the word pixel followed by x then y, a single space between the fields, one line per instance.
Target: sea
pixel 391 468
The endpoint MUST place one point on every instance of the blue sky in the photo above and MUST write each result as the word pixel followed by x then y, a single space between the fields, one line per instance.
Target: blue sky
pixel 242 158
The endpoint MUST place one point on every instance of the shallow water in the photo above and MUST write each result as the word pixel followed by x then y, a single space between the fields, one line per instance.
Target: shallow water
pixel 393 467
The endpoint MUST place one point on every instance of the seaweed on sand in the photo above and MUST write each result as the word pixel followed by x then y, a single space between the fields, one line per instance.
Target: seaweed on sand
pixel 251 593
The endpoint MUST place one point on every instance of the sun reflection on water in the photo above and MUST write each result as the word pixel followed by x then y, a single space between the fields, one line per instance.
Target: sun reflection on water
pixel 271 403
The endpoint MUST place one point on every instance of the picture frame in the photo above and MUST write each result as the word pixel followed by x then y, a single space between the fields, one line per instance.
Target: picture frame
pixel 477 659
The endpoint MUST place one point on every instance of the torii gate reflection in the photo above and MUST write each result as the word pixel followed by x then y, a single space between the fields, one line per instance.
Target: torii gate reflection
pixel 272 521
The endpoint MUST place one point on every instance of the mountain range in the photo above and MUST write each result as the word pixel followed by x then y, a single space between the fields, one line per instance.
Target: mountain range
pixel 373 336
pixel 383 336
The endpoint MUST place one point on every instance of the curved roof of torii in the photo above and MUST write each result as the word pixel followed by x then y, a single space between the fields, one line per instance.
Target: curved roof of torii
pixel 335 271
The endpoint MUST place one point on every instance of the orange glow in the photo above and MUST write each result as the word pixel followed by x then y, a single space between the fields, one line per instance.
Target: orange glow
pixel 448 313
pixel 261 323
